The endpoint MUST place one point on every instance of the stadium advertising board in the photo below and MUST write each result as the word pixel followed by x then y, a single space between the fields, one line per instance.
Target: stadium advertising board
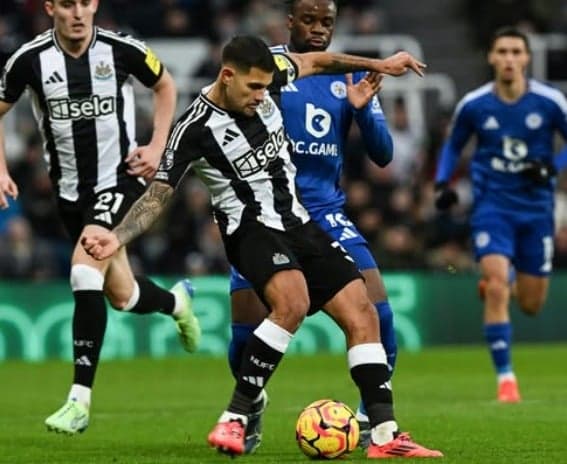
pixel 430 309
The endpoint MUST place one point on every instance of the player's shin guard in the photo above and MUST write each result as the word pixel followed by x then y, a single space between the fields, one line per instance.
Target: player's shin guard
pixel 241 333
pixel 370 373
pixel 89 322
pixel 263 353
pixel 151 298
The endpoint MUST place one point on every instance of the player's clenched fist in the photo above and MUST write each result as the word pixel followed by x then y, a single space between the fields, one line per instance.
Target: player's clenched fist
pixel 399 63
pixel 101 245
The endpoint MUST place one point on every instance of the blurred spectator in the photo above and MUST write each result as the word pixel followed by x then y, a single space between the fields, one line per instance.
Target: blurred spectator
pixel 408 155
pixel 398 248
pixel 392 206
pixel 486 16
pixel 560 255
pixel 24 257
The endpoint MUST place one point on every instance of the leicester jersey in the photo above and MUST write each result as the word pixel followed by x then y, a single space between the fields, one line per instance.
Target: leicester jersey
pixel 508 136
pixel 317 117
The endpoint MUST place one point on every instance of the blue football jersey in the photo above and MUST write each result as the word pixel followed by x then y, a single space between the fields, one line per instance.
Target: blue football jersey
pixel 509 135
pixel 317 116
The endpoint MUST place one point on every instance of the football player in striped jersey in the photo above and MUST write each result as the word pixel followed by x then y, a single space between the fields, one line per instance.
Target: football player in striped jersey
pixel 79 77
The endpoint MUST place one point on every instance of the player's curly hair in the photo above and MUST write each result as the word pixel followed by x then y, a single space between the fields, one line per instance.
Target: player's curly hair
pixel 290 4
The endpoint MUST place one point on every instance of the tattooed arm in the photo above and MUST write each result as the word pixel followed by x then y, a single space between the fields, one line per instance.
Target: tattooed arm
pixel 139 218
pixel 144 212
pixel 338 63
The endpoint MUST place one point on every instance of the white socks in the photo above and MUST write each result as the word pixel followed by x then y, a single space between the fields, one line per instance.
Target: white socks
pixel 384 432
pixel 81 394
pixel 230 416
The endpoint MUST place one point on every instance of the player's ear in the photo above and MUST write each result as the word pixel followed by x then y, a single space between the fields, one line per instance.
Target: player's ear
pixel 227 74
pixel 48 7
pixel 289 22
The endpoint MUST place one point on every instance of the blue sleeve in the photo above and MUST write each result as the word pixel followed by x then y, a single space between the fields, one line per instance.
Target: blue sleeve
pixel 451 150
pixel 375 133
pixel 560 160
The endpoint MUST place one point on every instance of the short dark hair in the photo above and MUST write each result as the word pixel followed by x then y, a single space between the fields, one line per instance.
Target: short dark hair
pixel 509 31
pixel 290 4
pixel 247 51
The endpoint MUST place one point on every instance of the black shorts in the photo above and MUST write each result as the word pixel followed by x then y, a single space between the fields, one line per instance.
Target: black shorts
pixel 258 252
pixel 105 208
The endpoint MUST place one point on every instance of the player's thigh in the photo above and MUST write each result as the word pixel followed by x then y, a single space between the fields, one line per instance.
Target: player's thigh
pixel 493 234
pixel 354 313
pixel 534 250
pixel 245 305
pixel 80 256
pixel 257 253
pixel 531 291
pixel 374 285
pixel 534 263
pixel 340 227
pixel 108 207
pixel 495 267
pixel 327 266
pixel 72 216
pixel 287 288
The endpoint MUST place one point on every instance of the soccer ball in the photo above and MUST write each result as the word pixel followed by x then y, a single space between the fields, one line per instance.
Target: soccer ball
pixel 327 429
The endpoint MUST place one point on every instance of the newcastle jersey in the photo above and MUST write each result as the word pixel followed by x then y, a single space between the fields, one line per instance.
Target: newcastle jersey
pixel 84 106
pixel 245 161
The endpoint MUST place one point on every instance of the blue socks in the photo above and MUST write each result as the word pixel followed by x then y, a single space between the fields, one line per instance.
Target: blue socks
pixel 499 338
pixel 387 333
pixel 388 337
pixel 240 335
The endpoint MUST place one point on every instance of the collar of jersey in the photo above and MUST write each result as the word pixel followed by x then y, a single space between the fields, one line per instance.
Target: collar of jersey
pixel 60 49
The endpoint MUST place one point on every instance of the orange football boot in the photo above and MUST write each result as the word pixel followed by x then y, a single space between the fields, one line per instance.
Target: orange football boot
pixel 228 437
pixel 508 391
pixel 401 447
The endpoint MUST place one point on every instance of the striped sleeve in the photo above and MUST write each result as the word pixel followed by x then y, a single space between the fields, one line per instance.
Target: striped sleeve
pixel 140 60
pixel 14 77
pixel 183 145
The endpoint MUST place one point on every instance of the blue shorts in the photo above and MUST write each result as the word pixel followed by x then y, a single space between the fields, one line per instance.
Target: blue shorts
pixel 338 226
pixel 526 240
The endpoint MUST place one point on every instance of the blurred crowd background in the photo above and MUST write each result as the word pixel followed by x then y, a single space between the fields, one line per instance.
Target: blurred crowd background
pixel 392 207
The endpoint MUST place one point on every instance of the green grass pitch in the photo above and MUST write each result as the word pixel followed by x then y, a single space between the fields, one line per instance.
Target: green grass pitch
pixel 160 411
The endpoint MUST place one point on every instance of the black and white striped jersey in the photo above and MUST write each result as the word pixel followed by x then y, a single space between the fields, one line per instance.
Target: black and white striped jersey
pixel 84 106
pixel 244 161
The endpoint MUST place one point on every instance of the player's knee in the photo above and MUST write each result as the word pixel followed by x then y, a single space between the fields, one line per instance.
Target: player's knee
pixel 84 277
pixel 362 321
pixel 497 289
pixel 117 303
pixel 531 305
pixel 291 310
pixel 122 298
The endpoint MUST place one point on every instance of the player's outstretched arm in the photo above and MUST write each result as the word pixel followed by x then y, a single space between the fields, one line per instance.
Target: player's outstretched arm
pixel 338 63
pixel 7 186
pixel 139 218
